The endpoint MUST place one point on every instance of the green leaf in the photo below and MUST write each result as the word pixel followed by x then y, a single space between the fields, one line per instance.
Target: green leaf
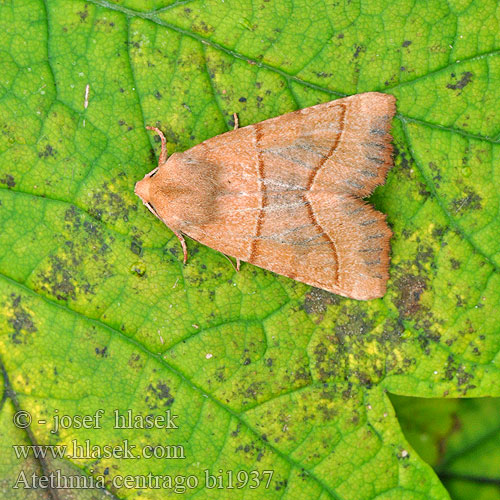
pixel 460 438
pixel 263 373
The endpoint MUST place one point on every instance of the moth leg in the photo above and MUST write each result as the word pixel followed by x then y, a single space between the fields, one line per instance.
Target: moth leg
pixel 163 154
pixel 235 267
pixel 183 245
pixel 236 121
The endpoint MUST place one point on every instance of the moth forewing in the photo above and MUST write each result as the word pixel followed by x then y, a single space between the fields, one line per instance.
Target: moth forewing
pixel 286 194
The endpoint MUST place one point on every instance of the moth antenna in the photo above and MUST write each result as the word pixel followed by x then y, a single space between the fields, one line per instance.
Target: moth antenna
pixel 236 121
pixel 163 154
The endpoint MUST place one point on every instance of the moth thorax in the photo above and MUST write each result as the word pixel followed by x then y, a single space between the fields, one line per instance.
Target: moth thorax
pixel 188 193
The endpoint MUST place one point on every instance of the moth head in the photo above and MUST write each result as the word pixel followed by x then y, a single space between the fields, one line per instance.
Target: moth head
pixel 181 192
pixel 143 187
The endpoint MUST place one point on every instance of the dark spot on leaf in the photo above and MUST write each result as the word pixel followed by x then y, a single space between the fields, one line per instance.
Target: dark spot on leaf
pixel 302 373
pixel 317 300
pixel 465 80
pixel 174 250
pixel 159 394
pixel 436 171
pixel 242 99
pixel 158 95
pixel 393 330
pixel 359 49
pixel 402 155
pixel 423 191
pixel 137 269
pixel 220 375
pixel 425 254
pixel 63 275
pixel 170 135
pixel 103 353
pixel 136 246
pixel 58 280
pixel 73 217
pixel 135 362
pixel 459 302
pixel 438 232
pixel 108 203
pixel 455 370
pixel 252 391
pixel 8 180
pixel 152 155
pixel 48 151
pixel 340 36
pixel 203 27
pixel 83 14
pixel 21 321
pixel 455 264
pixel 410 289
pixel 411 280
pixel 471 201
pixel 328 412
pixel 349 359
pixel 281 485
pixel 406 43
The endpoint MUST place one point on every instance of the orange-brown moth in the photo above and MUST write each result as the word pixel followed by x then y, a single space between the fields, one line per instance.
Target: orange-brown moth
pixel 286 194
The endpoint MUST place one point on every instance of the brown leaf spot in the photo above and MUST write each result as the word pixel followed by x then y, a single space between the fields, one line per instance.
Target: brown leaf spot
pixel 317 300
pixel 410 288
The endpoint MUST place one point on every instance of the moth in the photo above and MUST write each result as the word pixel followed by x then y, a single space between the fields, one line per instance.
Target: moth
pixel 286 194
